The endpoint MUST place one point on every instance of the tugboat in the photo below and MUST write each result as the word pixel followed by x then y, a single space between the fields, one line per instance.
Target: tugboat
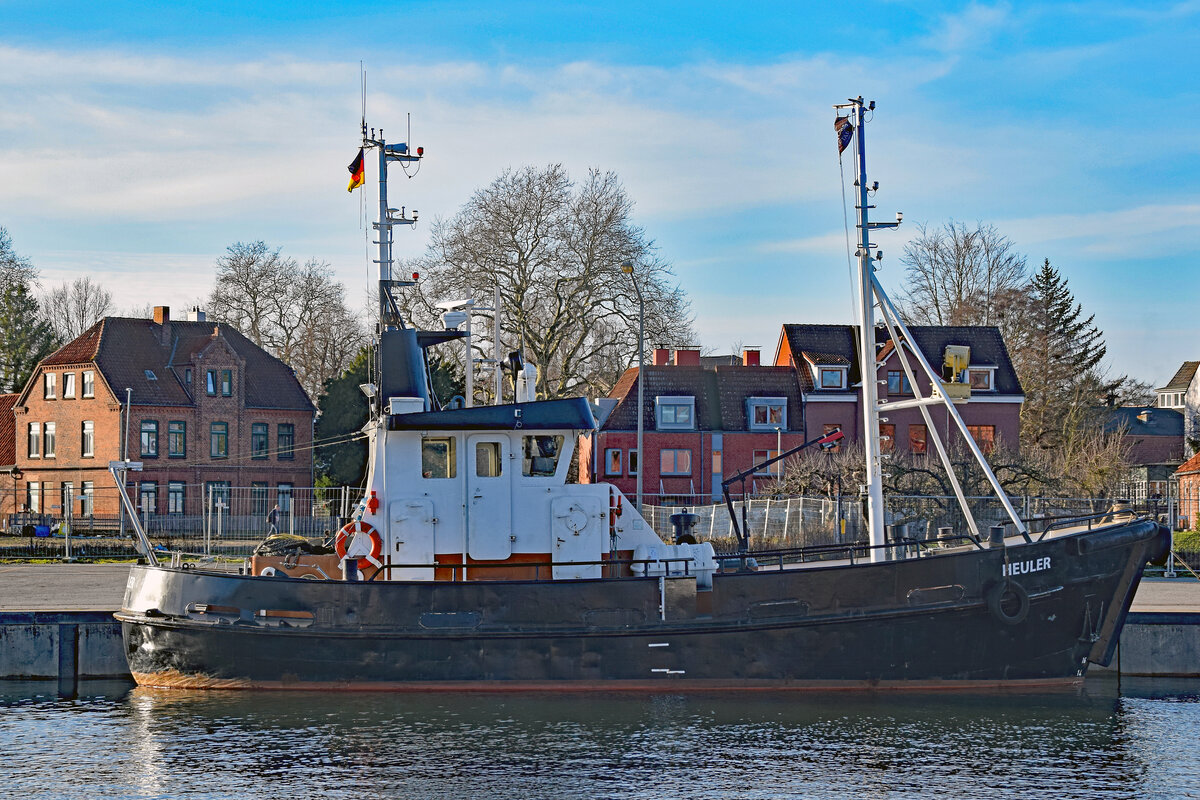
pixel 471 564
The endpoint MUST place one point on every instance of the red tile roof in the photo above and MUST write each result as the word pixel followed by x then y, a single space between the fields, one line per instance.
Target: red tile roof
pixel 1190 467
pixel 8 430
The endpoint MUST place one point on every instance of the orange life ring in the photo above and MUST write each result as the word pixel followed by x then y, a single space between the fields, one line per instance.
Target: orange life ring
pixel 352 529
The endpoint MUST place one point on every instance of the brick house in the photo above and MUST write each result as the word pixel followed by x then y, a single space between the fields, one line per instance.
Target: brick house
pixel 701 423
pixel 8 456
pixel 1182 393
pixel 208 410
pixel 1154 437
pixel 825 358
pixel 1188 476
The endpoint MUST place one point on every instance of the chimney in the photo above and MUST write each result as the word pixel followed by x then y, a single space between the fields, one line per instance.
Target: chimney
pixel 687 358
pixel 750 357
pixel 162 317
pixel 1144 416
pixel 194 314
pixel 662 357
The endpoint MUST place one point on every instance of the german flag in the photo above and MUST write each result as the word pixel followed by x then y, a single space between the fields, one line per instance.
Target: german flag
pixel 356 171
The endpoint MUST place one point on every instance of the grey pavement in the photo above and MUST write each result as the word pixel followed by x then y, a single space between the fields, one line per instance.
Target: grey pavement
pixel 101 587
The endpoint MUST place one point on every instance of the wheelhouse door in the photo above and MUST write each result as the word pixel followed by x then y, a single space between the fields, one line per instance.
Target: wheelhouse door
pixel 489 498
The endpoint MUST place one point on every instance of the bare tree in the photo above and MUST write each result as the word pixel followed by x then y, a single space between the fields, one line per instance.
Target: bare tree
pixel 75 306
pixel 295 311
pixel 955 275
pixel 554 249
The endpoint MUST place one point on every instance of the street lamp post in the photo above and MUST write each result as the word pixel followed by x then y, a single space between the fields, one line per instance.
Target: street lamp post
pixel 627 268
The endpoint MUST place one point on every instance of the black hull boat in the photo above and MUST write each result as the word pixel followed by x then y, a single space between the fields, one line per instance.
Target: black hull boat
pixel 954 619
pixel 471 563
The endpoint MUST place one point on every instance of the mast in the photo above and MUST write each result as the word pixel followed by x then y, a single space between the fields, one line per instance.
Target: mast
pixel 389 316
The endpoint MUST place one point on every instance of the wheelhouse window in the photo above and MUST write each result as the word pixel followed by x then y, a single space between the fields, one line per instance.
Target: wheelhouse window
pixel 49 389
pixel 917 435
pixel 767 413
pixel 488 462
pixel 286 441
pixel 258 440
pixel 48 437
pixel 675 413
pixel 35 440
pixel 149 438
pixel 438 458
pixel 89 383
pixel 898 382
pixel 984 436
pixel 218 440
pixel 612 461
pixel 832 377
pixel 177 439
pixel 69 386
pixel 675 462
pixel 87 439
pixel 540 454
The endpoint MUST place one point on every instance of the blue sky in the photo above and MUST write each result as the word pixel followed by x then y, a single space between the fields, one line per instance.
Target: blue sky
pixel 138 141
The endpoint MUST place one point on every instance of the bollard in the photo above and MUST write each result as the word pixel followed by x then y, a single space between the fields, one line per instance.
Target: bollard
pixel 350 569
pixel 945 536
pixel 996 536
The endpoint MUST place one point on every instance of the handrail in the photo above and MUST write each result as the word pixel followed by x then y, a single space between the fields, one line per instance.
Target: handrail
pixel 1067 522
pixel 538 564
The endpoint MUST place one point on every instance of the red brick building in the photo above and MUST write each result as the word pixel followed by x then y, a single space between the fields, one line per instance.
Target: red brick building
pixel 825 358
pixel 205 410
pixel 1188 476
pixel 8 457
pixel 701 424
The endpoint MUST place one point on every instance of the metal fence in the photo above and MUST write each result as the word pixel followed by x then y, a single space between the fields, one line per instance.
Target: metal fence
pixel 231 522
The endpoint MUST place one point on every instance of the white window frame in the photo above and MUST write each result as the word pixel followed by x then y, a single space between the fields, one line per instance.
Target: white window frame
pixel 49 439
pixel 991 378
pixel 33 441
pixel 88 379
pixel 766 402
pixel 87 439
pixel 664 401
pixel 68 385
pixel 49 386
pixel 819 371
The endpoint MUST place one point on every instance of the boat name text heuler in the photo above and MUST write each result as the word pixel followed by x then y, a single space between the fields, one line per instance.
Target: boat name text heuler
pixel 1025 567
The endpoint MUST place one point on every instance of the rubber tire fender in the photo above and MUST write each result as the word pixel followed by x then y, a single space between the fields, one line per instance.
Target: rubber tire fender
pixel 997 595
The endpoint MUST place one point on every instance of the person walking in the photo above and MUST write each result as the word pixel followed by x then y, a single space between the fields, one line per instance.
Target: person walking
pixel 273 521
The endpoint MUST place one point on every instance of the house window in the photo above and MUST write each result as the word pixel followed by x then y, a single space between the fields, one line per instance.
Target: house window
pixel 774 470
pixel 35 440
pixel 218 440
pixel 828 429
pixel 258 498
pixel 981 379
pixel 51 382
pixel 286 441
pixel 887 437
pixel 216 493
pixel 984 436
pixel 149 438
pixel 612 461
pixel 69 386
pixel 675 462
pixel 187 378
pixel 148 491
pixel 176 494
pixel 898 383
pixel 87 439
pixel 916 438
pixel 539 455
pixel 87 504
pixel 33 497
pixel 633 461
pixel 717 461
pixel 258 440
pixel 833 378
pixel 177 439
pixel 767 413
pixel 210 383
pixel 66 494
pixel 89 383
pixel 150 376
pixel 284 498
pixel 226 383
pixel 48 439
pixel 675 413
pixel 488 461
pixel 438 457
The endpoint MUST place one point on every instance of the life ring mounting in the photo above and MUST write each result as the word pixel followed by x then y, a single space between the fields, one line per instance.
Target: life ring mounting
pixel 359 539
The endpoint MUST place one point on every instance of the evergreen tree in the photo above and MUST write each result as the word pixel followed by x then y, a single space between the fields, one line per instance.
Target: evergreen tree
pixel 25 336
pixel 1057 354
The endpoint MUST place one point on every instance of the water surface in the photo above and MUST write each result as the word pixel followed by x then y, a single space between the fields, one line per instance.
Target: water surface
pixel 1139 739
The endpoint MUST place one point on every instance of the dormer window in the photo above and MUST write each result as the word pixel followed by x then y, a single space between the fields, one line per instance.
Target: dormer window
pixel 831 377
pixel 675 413
pixel 767 413
pixel 150 376
pixel 981 378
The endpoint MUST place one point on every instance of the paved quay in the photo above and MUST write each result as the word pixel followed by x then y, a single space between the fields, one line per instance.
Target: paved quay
pixel 101 587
